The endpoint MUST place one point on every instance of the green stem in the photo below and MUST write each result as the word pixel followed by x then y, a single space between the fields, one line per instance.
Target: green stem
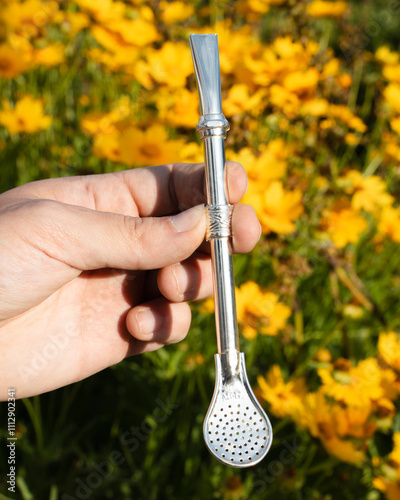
pixel 35 416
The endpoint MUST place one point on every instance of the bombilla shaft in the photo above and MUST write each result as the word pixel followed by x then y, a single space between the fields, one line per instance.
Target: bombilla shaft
pixel 213 128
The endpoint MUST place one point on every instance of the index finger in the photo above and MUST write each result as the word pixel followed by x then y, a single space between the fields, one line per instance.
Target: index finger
pixel 144 192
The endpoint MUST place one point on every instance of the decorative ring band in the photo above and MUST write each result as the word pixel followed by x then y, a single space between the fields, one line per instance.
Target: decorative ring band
pixel 218 221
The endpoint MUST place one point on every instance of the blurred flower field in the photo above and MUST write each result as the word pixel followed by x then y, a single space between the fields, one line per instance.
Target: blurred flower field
pixel 312 93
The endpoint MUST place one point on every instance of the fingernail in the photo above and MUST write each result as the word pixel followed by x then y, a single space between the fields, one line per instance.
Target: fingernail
pixel 180 278
pixel 188 219
pixel 146 321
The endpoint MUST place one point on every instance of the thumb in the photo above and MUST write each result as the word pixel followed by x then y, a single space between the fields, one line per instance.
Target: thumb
pixel 88 239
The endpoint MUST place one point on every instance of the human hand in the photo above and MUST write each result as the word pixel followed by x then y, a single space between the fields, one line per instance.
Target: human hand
pixel 97 268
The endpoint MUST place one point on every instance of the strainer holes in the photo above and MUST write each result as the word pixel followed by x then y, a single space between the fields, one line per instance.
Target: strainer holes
pixel 241 459
pixel 250 417
pixel 240 452
pixel 255 413
pixel 229 406
pixel 231 459
pixel 217 425
pixel 217 439
pixel 264 428
pixel 247 407
pixel 256 452
pixel 223 455
pixel 238 405
pixel 211 441
pixel 258 437
pixel 246 451
pixel 265 437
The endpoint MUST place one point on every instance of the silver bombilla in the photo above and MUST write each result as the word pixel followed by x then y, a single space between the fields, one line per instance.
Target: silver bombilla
pixel 236 429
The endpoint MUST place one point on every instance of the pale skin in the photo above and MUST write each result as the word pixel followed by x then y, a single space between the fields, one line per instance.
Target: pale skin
pixel 97 268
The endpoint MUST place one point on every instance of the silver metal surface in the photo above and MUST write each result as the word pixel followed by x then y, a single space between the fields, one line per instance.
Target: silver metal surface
pixel 236 429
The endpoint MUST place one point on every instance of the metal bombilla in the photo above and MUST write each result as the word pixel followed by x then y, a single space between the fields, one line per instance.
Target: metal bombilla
pixel 236 429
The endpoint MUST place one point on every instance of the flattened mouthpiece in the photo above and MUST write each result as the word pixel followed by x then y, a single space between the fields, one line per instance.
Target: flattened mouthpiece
pixel 206 65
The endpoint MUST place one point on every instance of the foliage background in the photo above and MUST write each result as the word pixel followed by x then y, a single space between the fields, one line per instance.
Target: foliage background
pixel 308 113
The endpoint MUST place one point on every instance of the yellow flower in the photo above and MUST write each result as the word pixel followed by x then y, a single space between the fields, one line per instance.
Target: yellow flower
pixel 369 193
pixel 240 100
pixel 323 356
pixel 285 399
pixel 108 123
pixel 276 208
pixel 331 68
pixel 103 10
pixel 137 32
pixel 301 82
pixel 343 225
pixel 148 147
pixel 315 107
pixel 285 100
pixel 351 139
pixel 395 124
pixel 392 96
pixel 344 450
pixel 108 146
pixel 319 8
pixel 389 349
pixel 389 223
pixel 319 418
pixel 28 18
pixel 385 56
pixel 27 116
pixel 76 21
pixel 177 107
pixel 51 55
pixel 259 311
pixel 269 164
pixel 344 114
pixel 344 80
pixel 358 387
pixel 175 12
pixel 392 73
pixel 192 153
pixel 170 65
pixel 13 62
